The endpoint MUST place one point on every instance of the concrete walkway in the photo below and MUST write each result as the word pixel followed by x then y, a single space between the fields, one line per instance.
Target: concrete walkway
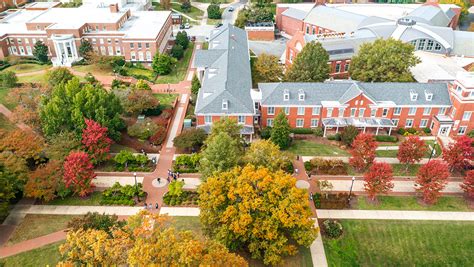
pixel 406 186
pixel 396 215
pixel 180 211
pixel 318 255
pixel 75 210
pixel 378 159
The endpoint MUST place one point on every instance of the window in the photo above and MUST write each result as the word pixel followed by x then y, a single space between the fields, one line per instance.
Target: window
pixel 116 41
pixel 413 95
pixel 271 110
pixel 27 41
pixel 287 110
pixel 148 56
pixel 22 50
pixel 423 123
pixel 353 112
pixel 384 112
pixel 140 56
pixel 466 116
pixel 429 45
pixel 111 51
pixel 307 29
pixel 300 111
pixel 14 50
pixel 427 111
pixel 102 50
pixel 421 44
pixel 301 95
pixel 109 41
pixel 147 45
pixel 286 95
pixel 437 47
pixel 412 111
pixel 409 123
pixel 207 119
pixel 224 104
pixel 270 122
pixel 241 119
pixel 101 41
pixel 139 45
pixel 28 50
pixel 442 111
pixel 117 50
pixel 453 113
pixel 361 112
pixel 19 41
pixel 341 112
pixel 329 113
pixel 316 110
pixel 395 122
pixel 432 125
pixel 373 112
pixel 131 45
pixel 299 123
pixel 462 130
pixel 314 123
pixel 397 111
pixel 94 41
pixel 34 40
pixel 346 67
pixel 132 55
pixel 338 67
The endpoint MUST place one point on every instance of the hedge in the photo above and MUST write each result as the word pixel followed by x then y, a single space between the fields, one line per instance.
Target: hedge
pixel 333 201
pixel 386 138
pixel 302 130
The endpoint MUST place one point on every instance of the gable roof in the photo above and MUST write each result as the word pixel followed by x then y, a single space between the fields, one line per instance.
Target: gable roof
pixel 227 74
pixel 295 13
pixel 335 19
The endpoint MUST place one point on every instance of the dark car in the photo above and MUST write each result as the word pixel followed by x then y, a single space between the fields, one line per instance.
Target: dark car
pixel 218 25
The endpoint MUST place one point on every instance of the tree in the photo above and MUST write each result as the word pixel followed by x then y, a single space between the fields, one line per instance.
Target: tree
pixel 459 154
pixel 280 134
pixel 8 79
pixel 214 11
pixel 162 64
pixel 253 15
pixel 349 134
pixel 44 181
pixel 137 101
pixel 182 39
pixel 378 180
pixel 411 150
pixel 97 221
pixel 85 49
pixel 256 209
pixel 142 85
pixel 58 76
pixel 431 179
pixel 225 125
pixel 28 100
pixel 60 145
pixel 310 65
pixel 190 139
pixel 177 51
pixel 78 173
pixel 264 153
pixel 7 190
pixel 384 61
pixel 195 85
pixel 221 154
pixel 96 142
pixel 186 6
pixel 468 184
pixel 24 144
pixel 267 69
pixel 165 4
pixel 40 52
pixel 363 151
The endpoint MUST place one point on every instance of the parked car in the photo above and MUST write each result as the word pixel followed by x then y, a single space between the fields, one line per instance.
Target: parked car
pixel 185 26
pixel 231 9
pixel 218 25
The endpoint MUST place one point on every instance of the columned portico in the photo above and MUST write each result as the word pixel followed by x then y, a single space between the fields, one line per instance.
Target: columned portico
pixel 66 50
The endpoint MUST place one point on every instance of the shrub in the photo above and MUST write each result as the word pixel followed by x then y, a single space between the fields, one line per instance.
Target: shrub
pixel 386 138
pixel 411 130
pixel 288 167
pixel 401 131
pixel 159 136
pixel 266 133
pixel 214 11
pixel 186 6
pixel 332 201
pixel 318 131
pixel 122 195
pixel 336 137
pixel 188 161
pixel 326 166
pixel 471 134
pixel 190 139
pixel 332 228
pixel 302 130
pixel 427 130
pixel 308 166
pixel 182 39
pixel 143 129
pixel 349 134
pixel 8 79
pixel 177 51
pixel 142 85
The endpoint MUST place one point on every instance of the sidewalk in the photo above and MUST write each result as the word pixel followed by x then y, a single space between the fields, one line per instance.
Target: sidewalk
pixel 399 186
pixel 318 255
pixel 75 210
pixel 377 159
pixel 396 215
pixel 32 244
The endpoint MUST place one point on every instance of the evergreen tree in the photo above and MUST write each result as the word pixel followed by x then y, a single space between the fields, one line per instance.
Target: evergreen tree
pixel 281 131
pixel 40 51
pixel 195 85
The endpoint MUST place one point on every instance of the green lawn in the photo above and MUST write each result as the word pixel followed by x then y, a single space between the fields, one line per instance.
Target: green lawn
pixel 402 243
pixel 386 153
pixel 194 13
pixel 6 124
pixel 141 71
pixel 393 153
pixel 446 203
pixel 398 170
pixel 36 225
pixel 308 148
pixel 179 70
pixel 28 67
pixel 37 78
pixel 4 98
pixel 44 256
pixel 213 21
pixel 116 148
pixel 92 69
pixel 92 200
pixel 166 99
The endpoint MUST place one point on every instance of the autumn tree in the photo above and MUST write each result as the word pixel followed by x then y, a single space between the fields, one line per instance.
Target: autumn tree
pixel 96 221
pixel 78 173
pixel 165 4
pixel 310 65
pixel 222 153
pixel 387 60
pixel 468 184
pixel 96 142
pixel 190 139
pixel 7 190
pixel 459 154
pixel 378 180
pixel 60 145
pixel 280 134
pixel 431 179
pixel 226 125
pixel 264 153
pixel 43 182
pixel 27 110
pixel 363 151
pixel 137 101
pixel 258 210
pixel 267 69
pixel 411 150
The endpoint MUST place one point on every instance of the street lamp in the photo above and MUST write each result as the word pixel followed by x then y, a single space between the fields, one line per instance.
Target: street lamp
pixel 350 191
pixel 136 187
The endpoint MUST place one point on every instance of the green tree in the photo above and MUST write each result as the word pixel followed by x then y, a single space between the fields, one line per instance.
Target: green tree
pixel 162 64
pixel 58 75
pixel 258 210
pixel 61 144
pixel 267 69
pixel 190 139
pixel 186 6
pixel 264 153
pixel 195 85
pixel 7 191
pixel 177 51
pixel 221 154
pixel 310 65
pixel 226 125
pixel 85 50
pixel 8 79
pixel 214 11
pixel 384 61
pixel 182 39
pixel 281 131
pixel 40 51
pixel 349 134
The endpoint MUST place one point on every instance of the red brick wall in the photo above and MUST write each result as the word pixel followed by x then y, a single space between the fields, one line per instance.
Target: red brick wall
pixel 290 25
pixel 461 105
pixel 261 35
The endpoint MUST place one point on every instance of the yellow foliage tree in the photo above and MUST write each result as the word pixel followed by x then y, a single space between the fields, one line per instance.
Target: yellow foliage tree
pixel 266 154
pixel 259 210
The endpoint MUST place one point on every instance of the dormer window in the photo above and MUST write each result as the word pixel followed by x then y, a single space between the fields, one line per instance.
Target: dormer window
pixel 413 95
pixel 225 104
pixel 301 95
pixel 286 95
pixel 428 95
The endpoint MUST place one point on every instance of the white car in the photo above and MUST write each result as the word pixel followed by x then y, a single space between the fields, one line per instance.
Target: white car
pixel 231 9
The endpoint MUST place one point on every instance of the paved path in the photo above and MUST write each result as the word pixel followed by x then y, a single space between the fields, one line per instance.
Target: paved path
pixel 32 244
pixel 396 215
pixel 180 211
pixel 378 159
pixel 74 210
pixel 9 115
pixel 318 255
pixel 109 180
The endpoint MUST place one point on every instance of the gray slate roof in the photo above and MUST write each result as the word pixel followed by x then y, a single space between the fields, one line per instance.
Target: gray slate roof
pixel 295 13
pixel 227 75
pixel 315 93
pixel 334 19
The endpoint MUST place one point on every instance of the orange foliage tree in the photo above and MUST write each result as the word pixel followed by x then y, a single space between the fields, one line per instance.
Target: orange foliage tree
pixel 411 151
pixel 363 151
pixel 378 180
pixel 431 179
pixel 44 181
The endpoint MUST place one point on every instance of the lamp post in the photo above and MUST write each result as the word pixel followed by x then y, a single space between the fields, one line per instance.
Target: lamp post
pixel 136 187
pixel 433 150
pixel 350 191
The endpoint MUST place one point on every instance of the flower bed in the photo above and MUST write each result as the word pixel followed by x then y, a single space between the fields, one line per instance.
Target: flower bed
pixel 122 195
pixel 186 163
pixel 187 198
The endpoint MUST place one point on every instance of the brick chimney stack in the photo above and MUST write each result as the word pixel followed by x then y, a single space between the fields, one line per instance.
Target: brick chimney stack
pixel 114 8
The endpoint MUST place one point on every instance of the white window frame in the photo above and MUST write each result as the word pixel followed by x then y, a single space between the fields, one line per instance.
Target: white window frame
pixel 329 112
pixel 300 111
pixel 207 119
pixel 397 111
pixel 316 111
pixel 361 112
pixel 314 123
pixel 385 112
pixel 341 112
pixel 409 121
pixel 466 116
pixel 427 111
pixel 270 122
pixel 353 112
pixel 286 110
pixel 412 111
pixel 395 122
pixel 442 111
pixel 462 130
pixel 240 119
pixel 299 123
pixel 423 123
pixel 271 110
pixel 373 112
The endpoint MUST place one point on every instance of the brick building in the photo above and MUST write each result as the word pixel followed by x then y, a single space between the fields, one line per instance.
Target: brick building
pixel 135 35
pixel 6 4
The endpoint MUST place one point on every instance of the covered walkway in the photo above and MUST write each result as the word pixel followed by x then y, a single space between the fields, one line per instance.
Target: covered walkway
pixel 361 123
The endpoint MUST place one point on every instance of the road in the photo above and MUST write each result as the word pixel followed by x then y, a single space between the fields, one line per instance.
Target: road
pixel 230 17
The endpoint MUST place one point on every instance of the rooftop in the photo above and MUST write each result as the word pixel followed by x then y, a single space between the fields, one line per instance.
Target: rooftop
pixel 438 67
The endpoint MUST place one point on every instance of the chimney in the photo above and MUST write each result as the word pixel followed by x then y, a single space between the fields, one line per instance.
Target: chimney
pixel 114 8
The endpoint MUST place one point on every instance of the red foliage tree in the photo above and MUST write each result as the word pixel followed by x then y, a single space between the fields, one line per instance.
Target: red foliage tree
pixel 378 180
pixel 459 154
pixel 95 141
pixel 78 172
pixel 44 181
pixel 468 184
pixel 363 151
pixel 411 150
pixel 431 179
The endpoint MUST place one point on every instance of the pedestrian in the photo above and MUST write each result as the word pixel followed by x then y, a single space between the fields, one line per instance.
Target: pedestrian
pixel 177 173
pixel 159 180
pixel 182 180
pixel 145 205
pixel 168 179
pixel 311 195
pixel 174 178
pixel 309 176
pixel 150 206
pixel 296 170
pixel 156 205
pixel 297 157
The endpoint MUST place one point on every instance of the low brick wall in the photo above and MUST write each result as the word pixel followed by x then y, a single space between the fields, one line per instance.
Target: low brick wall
pixel 261 35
